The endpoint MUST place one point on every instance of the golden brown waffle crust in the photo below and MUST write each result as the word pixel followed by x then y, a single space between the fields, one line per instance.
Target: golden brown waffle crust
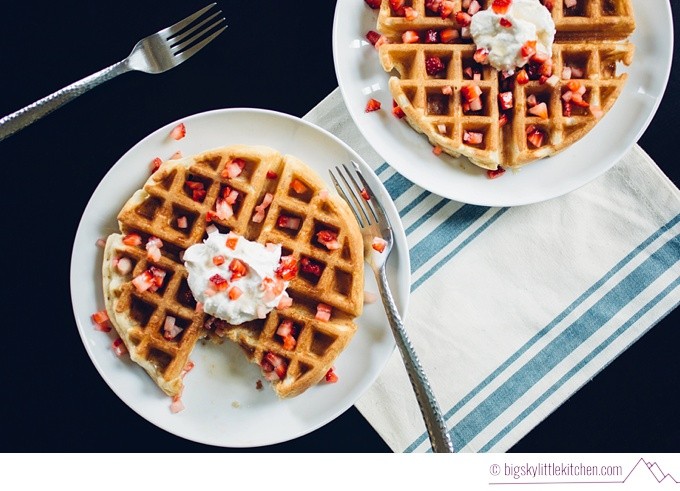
pixel 164 188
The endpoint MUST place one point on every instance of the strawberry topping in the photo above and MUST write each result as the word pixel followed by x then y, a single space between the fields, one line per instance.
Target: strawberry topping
pixel 372 105
pixel 238 269
pixel 132 239
pixel 178 132
pixel 323 312
pixel 287 269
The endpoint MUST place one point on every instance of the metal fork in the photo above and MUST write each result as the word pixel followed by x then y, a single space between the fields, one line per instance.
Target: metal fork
pixel 153 54
pixel 374 223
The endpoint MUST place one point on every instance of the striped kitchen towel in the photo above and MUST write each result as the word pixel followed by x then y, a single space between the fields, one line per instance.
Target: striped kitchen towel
pixel 512 310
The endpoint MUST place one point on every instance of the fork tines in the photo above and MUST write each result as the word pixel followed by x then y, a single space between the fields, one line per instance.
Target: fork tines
pixel 192 33
pixel 358 195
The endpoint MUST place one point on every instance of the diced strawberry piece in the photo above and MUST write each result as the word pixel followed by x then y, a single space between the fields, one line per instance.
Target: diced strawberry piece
pixel 501 6
pixel 522 77
pixel 536 138
pixel 291 223
pixel 287 269
pixel 178 132
pixel 540 57
pixel 410 13
pixel 374 4
pixel 119 347
pixel 223 210
pixel 218 260
pixel 170 329
pixel 549 4
pixel 546 68
pixel 298 186
pixel 476 104
pixel 505 100
pixel 329 239
pixel 397 111
pixel 233 168
pixel 570 3
pixel 218 283
pixel 100 317
pixel 566 108
pixel 231 242
pixel 505 22
pixel 271 174
pixel 398 7
pixel 473 8
pixel 540 110
pixel 463 19
pixel 448 35
pixel 235 293
pixel 473 137
pixel 176 155
pixel 379 244
pixel 323 312
pixel 493 174
pixel 285 302
pixel 132 239
pixel 410 37
pixel 528 49
pixel 372 37
pixel 286 329
pixel 433 5
pixel 531 100
pixel 364 194
pixel 238 269
pixel 182 222
pixel 143 281
pixel 193 184
pixel 470 92
pixel 574 85
pixel 596 111
pixel 124 265
pixel 309 266
pixel 372 105
pixel 446 9
pixel 199 195
pixel 437 150
pixel 481 55
pixel 503 120
pixel 331 376
pixel 553 80
pixel 277 363
pixel 577 99
pixel 155 164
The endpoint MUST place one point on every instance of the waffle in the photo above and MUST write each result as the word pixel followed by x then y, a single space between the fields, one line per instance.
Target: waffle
pixel 591 38
pixel 139 317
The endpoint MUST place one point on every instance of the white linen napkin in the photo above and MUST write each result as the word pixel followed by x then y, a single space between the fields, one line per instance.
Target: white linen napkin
pixel 512 310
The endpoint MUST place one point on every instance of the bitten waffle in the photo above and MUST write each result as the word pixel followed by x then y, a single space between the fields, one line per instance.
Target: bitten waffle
pixel 264 196
pixel 499 119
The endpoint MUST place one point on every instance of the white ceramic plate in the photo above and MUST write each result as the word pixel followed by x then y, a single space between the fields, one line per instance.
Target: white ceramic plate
pixel 222 404
pixel 361 76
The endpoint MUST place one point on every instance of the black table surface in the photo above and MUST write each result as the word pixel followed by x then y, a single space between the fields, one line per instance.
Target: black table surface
pixel 275 55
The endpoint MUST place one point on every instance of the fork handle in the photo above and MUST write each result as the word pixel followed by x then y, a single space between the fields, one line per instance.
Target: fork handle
pixel 432 415
pixel 18 120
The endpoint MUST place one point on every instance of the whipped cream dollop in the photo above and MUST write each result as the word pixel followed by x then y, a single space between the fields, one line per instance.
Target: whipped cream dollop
pixel 505 34
pixel 235 278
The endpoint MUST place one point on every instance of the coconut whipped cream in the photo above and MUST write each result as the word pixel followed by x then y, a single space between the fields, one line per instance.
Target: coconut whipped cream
pixel 504 35
pixel 258 289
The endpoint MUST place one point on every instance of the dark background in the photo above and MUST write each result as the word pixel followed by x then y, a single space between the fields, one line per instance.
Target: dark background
pixel 275 55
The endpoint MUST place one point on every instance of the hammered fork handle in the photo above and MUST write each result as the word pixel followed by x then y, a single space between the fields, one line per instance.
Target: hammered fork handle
pixel 434 421
pixel 18 120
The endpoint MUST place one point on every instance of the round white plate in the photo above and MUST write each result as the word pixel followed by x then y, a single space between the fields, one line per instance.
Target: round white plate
pixel 223 406
pixel 361 77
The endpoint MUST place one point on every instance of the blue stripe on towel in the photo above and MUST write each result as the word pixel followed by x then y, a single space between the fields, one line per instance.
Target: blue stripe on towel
pixel 445 232
pixel 652 303
pixel 460 246
pixel 549 327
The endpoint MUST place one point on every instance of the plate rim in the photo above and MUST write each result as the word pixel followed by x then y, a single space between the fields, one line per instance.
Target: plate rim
pixel 414 176
pixel 402 274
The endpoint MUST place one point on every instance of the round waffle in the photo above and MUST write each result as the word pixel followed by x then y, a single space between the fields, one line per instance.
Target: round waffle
pixel 591 40
pixel 168 208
